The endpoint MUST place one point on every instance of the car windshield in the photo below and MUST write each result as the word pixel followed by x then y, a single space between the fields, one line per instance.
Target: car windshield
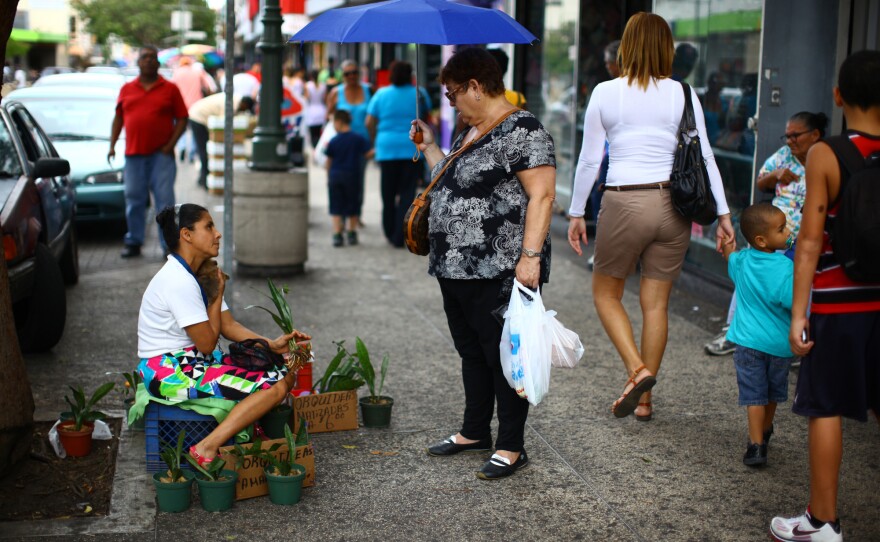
pixel 73 118
pixel 10 166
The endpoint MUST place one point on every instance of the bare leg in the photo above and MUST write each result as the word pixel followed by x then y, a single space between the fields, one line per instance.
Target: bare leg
pixel 337 224
pixel 353 223
pixel 757 415
pixel 654 299
pixel 607 293
pixel 246 412
pixel 769 414
pixel 826 452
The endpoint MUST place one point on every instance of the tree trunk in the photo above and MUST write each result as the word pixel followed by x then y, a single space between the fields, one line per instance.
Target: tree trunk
pixel 16 398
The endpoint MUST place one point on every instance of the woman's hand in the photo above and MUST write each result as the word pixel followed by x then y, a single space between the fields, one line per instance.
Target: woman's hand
pixel 785 176
pixel 724 234
pixel 221 285
pixel 279 345
pixel 799 325
pixel 426 134
pixel 577 232
pixel 528 270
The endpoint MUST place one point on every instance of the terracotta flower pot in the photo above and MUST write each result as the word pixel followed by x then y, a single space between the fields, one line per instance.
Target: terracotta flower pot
pixel 76 443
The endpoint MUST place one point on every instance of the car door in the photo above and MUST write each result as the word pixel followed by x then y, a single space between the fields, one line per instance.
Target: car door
pixel 51 190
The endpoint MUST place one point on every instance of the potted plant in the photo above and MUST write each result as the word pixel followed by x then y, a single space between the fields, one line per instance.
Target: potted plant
pixel 375 408
pixel 283 474
pixel 274 421
pixel 129 390
pixel 174 486
pixel 75 431
pixel 341 374
pixel 216 485
pixel 298 354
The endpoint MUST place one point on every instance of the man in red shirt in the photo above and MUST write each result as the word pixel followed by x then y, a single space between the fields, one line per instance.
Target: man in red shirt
pixel 154 115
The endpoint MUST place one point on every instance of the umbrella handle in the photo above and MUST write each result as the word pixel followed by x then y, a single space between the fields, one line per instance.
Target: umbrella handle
pixel 417 140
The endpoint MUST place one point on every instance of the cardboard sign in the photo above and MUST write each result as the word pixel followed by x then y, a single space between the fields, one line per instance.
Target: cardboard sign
pixel 252 479
pixel 333 411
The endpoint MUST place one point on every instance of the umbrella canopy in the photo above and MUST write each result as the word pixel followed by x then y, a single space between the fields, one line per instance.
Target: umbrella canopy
pixel 429 22
pixel 209 56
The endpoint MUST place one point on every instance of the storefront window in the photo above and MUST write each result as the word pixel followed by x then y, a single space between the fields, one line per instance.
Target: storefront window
pixel 550 82
pixel 718 53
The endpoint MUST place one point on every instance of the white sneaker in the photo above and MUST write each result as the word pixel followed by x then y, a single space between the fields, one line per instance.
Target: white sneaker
pixel 720 346
pixel 590 262
pixel 800 529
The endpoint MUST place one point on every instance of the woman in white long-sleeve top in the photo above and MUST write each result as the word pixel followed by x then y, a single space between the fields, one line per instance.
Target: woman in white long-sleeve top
pixel 639 115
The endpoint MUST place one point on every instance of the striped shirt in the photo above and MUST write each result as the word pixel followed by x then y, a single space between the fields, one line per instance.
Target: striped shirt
pixel 833 291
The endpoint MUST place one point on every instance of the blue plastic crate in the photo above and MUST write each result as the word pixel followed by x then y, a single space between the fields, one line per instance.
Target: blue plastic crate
pixel 163 423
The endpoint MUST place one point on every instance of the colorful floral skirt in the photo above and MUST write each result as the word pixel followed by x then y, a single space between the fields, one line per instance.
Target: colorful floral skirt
pixel 189 374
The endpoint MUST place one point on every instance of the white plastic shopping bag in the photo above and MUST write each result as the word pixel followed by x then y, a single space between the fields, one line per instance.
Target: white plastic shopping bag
pixel 102 432
pixel 525 346
pixel 566 348
pixel 320 151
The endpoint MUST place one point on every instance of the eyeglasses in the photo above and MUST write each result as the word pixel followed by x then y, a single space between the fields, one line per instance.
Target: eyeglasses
pixel 451 94
pixel 350 72
pixel 793 135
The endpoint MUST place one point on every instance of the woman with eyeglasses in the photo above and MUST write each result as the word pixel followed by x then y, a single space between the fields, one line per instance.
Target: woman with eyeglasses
pixel 353 96
pixel 178 330
pixel 489 222
pixel 784 174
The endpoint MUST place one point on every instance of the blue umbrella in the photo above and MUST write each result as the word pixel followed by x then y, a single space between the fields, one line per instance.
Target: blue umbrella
pixel 429 22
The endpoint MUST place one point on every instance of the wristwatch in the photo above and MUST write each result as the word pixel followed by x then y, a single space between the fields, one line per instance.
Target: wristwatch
pixel 530 253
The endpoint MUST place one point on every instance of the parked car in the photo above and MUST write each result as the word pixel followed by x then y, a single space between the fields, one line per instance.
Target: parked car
pixel 114 81
pixel 37 208
pixel 78 120
pixel 52 70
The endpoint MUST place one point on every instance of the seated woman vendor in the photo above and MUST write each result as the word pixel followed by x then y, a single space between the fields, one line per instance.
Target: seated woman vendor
pixel 178 330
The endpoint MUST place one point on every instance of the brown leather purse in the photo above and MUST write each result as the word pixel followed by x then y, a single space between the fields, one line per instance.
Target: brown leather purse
pixel 415 222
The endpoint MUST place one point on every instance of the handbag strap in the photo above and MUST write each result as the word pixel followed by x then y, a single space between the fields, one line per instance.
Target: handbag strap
pixel 688 122
pixel 463 148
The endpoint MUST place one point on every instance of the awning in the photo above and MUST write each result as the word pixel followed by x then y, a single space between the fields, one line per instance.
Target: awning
pixel 34 36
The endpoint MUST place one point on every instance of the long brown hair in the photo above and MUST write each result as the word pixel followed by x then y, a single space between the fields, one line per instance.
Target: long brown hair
pixel 646 49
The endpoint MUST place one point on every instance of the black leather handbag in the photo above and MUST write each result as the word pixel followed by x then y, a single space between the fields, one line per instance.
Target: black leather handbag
pixel 254 355
pixel 689 180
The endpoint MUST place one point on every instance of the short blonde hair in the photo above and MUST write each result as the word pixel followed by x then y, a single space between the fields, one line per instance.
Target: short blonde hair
pixel 646 49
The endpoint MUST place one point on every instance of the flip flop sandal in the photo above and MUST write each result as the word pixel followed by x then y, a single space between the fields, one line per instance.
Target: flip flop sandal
pixel 646 417
pixel 200 459
pixel 629 400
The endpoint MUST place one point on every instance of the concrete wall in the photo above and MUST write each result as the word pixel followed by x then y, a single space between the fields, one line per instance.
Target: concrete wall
pixel 798 64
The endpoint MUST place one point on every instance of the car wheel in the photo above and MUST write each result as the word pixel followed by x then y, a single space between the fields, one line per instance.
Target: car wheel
pixel 42 318
pixel 70 260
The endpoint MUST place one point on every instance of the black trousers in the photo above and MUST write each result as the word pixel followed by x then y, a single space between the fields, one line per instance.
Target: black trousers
pixel 477 334
pixel 399 180
pixel 200 134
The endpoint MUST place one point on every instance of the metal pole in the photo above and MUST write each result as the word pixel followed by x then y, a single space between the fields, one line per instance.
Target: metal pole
pixel 227 137
pixel 270 142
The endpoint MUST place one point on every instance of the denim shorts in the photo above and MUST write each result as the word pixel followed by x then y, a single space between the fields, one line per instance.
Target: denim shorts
pixel 761 378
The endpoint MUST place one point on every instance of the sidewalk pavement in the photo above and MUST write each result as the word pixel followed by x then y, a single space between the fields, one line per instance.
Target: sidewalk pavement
pixel 592 477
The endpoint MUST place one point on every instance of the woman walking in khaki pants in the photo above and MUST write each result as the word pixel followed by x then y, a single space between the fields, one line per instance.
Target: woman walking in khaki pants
pixel 639 114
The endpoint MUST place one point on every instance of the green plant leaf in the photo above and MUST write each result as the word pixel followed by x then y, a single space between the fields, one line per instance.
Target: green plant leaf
pixel 365 366
pixel 99 394
pixel 278 321
pixel 334 364
pixel 343 383
pixel 382 373
pixel 302 435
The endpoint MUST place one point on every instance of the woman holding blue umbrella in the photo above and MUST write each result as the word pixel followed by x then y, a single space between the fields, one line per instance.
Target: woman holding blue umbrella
pixel 489 222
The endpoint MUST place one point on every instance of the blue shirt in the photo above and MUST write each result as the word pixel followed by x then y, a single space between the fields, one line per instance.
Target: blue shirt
pixel 346 150
pixel 394 109
pixel 358 111
pixel 764 283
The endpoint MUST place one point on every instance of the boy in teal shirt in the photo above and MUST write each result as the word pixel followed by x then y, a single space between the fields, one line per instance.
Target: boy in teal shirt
pixel 764 279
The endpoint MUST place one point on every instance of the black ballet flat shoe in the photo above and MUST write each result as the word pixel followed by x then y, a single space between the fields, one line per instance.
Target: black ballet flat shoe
pixel 497 467
pixel 449 447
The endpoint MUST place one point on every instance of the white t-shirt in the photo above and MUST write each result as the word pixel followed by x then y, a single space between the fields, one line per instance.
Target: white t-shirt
pixel 641 127
pixel 245 84
pixel 173 301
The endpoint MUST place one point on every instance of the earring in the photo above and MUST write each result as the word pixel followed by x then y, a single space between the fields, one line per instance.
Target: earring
pixel 478 97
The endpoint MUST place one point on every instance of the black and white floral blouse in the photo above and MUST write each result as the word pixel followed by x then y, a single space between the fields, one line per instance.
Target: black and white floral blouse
pixel 478 208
